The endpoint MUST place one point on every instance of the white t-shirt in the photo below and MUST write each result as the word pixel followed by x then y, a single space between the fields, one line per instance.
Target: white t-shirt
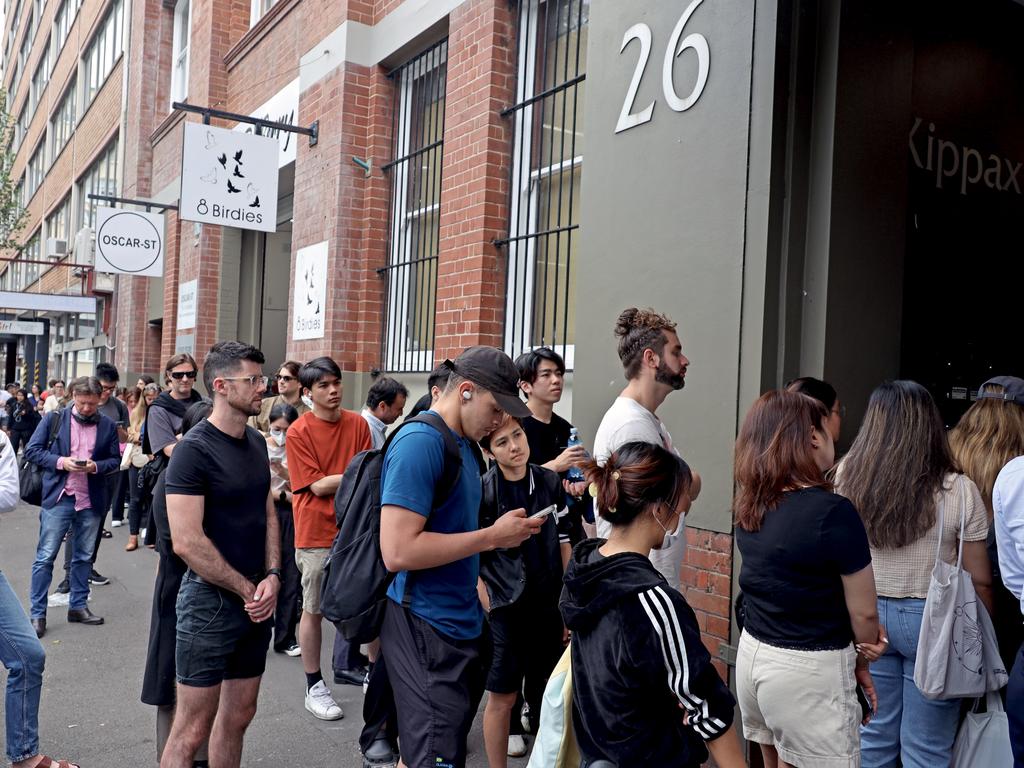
pixel 626 421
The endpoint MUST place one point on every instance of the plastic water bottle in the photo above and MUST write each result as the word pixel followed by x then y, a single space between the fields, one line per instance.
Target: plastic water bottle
pixel 575 474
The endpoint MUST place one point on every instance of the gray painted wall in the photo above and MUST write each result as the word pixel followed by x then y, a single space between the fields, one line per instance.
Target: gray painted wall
pixel 664 224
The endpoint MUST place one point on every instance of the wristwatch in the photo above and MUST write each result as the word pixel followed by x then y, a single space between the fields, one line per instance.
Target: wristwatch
pixel 274 572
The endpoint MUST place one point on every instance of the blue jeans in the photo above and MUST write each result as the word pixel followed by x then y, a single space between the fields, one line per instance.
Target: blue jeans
pixel 53 524
pixel 908 727
pixel 23 655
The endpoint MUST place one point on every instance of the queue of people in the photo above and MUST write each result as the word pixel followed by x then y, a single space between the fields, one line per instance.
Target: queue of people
pixel 498 569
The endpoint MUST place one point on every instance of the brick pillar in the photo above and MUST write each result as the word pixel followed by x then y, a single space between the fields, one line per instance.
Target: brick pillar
pixel 706 583
pixel 172 242
pixel 335 201
pixel 477 159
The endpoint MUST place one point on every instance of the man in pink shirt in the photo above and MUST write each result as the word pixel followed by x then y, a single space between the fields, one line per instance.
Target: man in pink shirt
pixel 75 461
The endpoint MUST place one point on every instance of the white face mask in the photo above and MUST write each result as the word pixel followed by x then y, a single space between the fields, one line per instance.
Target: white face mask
pixel 670 536
pixel 277 436
pixel 306 401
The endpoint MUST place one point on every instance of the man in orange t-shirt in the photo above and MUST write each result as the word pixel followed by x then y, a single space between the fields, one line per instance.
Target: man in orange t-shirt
pixel 320 445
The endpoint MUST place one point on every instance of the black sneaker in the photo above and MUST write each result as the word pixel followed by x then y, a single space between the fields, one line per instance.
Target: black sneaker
pixel 64 587
pixel 98 579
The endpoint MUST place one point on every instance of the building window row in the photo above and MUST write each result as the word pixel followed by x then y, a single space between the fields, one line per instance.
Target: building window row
pixel 62 22
pixel 411 273
pixel 35 170
pixel 58 223
pixel 62 124
pixel 39 80
pixel 179 60
pixel 100 179
pixel 104 50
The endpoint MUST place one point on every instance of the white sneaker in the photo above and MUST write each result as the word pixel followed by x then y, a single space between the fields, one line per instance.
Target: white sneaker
pixel 516 746
pixel 524 718
pixel 321 704
pixel 116 523
pixel 293 650
pixel 142 534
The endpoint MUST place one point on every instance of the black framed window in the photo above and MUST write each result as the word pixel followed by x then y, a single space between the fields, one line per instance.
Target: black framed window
pixel 414 222
pixel 547 160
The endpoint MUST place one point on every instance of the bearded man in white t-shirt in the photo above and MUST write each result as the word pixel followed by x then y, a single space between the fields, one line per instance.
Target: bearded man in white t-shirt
pixel 653 361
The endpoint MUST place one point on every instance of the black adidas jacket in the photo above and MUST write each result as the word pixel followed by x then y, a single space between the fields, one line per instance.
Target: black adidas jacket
pixel 638 665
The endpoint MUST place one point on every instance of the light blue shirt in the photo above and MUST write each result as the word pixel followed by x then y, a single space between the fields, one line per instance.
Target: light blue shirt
pixel 1008 506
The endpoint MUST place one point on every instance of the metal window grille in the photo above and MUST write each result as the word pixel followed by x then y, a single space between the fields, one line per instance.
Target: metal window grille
pixel 547 159
pixel 411 273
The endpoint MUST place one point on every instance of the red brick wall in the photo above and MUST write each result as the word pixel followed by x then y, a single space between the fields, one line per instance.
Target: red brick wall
pixel 474 191
pixel 706 583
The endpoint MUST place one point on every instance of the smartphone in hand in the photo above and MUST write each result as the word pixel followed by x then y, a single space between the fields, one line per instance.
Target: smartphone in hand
pixel 544 512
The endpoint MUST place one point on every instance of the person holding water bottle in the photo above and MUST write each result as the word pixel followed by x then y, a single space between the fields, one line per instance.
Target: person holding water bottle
pixel 554 442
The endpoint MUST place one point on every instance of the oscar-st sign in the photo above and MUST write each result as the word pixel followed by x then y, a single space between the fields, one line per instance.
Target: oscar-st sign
pixel 228 178
pixel 129 242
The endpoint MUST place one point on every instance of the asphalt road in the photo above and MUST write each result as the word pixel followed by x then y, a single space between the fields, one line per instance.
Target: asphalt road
pixel 90 708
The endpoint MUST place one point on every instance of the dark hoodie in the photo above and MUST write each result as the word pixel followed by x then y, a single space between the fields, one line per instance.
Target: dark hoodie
pixel 638 664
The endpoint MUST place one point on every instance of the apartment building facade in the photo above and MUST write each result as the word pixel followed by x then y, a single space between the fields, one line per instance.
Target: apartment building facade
pixel 63 80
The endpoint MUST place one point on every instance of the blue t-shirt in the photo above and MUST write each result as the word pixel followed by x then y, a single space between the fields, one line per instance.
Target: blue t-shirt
pixel 445 597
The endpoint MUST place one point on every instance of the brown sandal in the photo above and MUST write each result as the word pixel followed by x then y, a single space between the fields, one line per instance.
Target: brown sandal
pixel 49 762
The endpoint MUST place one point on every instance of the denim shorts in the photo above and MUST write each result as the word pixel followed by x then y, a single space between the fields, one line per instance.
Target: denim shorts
pixel 216 639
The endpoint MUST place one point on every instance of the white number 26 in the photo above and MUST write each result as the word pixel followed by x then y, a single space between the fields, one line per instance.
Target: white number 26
pixel 695 40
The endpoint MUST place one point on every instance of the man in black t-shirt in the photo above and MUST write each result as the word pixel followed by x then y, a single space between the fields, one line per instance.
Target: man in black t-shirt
pixel 224 526
pixel 542 375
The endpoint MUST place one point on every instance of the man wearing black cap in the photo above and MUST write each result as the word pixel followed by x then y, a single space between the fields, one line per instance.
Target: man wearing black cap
pixel 431 638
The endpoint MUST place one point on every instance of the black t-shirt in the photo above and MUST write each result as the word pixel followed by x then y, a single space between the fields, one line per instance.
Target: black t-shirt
pixel 515 494
pixel 792 571
pixel 233 477
pixel 546 441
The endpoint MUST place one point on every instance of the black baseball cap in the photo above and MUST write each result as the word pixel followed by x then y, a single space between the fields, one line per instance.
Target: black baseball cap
pixel 1013 389
pixel 493 370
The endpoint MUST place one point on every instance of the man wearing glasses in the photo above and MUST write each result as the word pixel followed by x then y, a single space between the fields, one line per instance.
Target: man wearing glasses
pixel 224 526
pixel 288 391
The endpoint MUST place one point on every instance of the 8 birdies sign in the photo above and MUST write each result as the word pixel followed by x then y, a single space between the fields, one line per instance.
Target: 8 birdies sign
pixel 228 178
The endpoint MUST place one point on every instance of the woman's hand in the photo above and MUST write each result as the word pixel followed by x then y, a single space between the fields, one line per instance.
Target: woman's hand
pixel 864 680
pixel 874 651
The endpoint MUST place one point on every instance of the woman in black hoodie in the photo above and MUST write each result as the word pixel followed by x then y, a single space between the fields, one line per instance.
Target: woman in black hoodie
pixel 644 689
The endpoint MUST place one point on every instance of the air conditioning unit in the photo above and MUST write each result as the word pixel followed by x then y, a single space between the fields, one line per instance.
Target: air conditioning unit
pixel 84 251
pixel 56 249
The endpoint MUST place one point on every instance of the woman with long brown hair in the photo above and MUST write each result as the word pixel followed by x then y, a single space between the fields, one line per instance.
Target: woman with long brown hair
pixel 988 436
pixel 808 586
pixel 901 477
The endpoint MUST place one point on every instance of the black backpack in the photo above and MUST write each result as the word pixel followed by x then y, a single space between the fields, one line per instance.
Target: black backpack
pixel 354 590
pixel 30 479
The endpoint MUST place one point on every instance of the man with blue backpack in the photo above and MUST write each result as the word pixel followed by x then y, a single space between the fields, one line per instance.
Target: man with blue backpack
pixel 433 632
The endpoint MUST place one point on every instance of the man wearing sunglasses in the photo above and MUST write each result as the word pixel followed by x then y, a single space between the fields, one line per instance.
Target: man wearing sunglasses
pixel 163 423
pixel 288 391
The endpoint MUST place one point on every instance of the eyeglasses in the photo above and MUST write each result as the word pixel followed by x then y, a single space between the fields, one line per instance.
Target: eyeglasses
pixel 254 381
pixel 179 375
pixel 285 379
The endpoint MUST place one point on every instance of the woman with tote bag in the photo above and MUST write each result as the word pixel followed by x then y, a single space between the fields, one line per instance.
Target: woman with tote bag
pixel 901 477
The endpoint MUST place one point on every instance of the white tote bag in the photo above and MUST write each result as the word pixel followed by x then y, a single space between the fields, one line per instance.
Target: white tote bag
pixel 957 655
pixel 984 737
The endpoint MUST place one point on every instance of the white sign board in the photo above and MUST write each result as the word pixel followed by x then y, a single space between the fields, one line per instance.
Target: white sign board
pixel 228 178
pixel 187 305
pixel 129 242
pixel 23 327
pixel 47 302
pixel 309 299
pixel 282 107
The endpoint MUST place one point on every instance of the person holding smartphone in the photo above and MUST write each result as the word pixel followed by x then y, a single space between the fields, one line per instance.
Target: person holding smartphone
pixel 519 588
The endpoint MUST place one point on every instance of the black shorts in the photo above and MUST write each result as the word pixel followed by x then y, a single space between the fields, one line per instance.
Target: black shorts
pixel 437 682
pixel 527 641
pixel 216 640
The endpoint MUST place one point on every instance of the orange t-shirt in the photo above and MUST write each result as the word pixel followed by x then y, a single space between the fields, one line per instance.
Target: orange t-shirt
pixel 316 449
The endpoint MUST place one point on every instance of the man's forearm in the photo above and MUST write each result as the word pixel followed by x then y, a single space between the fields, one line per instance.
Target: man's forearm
pixel 205 560
pixel 432 550
pixel 326 486
pixel 273 553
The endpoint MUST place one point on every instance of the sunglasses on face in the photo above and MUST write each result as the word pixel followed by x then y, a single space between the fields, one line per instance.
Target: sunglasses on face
pixel 179 375
pixel 285 379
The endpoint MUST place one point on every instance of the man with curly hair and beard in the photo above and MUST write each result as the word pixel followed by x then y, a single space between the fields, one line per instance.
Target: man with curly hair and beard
pixel 655 366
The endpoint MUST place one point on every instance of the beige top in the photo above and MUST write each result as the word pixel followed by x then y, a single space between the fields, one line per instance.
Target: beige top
pixel 906 571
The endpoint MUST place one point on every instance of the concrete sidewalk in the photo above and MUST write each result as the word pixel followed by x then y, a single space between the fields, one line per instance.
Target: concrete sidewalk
pixel 90 709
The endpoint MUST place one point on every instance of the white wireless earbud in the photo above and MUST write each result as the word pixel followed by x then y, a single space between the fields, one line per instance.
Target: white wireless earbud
pixel 467 395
